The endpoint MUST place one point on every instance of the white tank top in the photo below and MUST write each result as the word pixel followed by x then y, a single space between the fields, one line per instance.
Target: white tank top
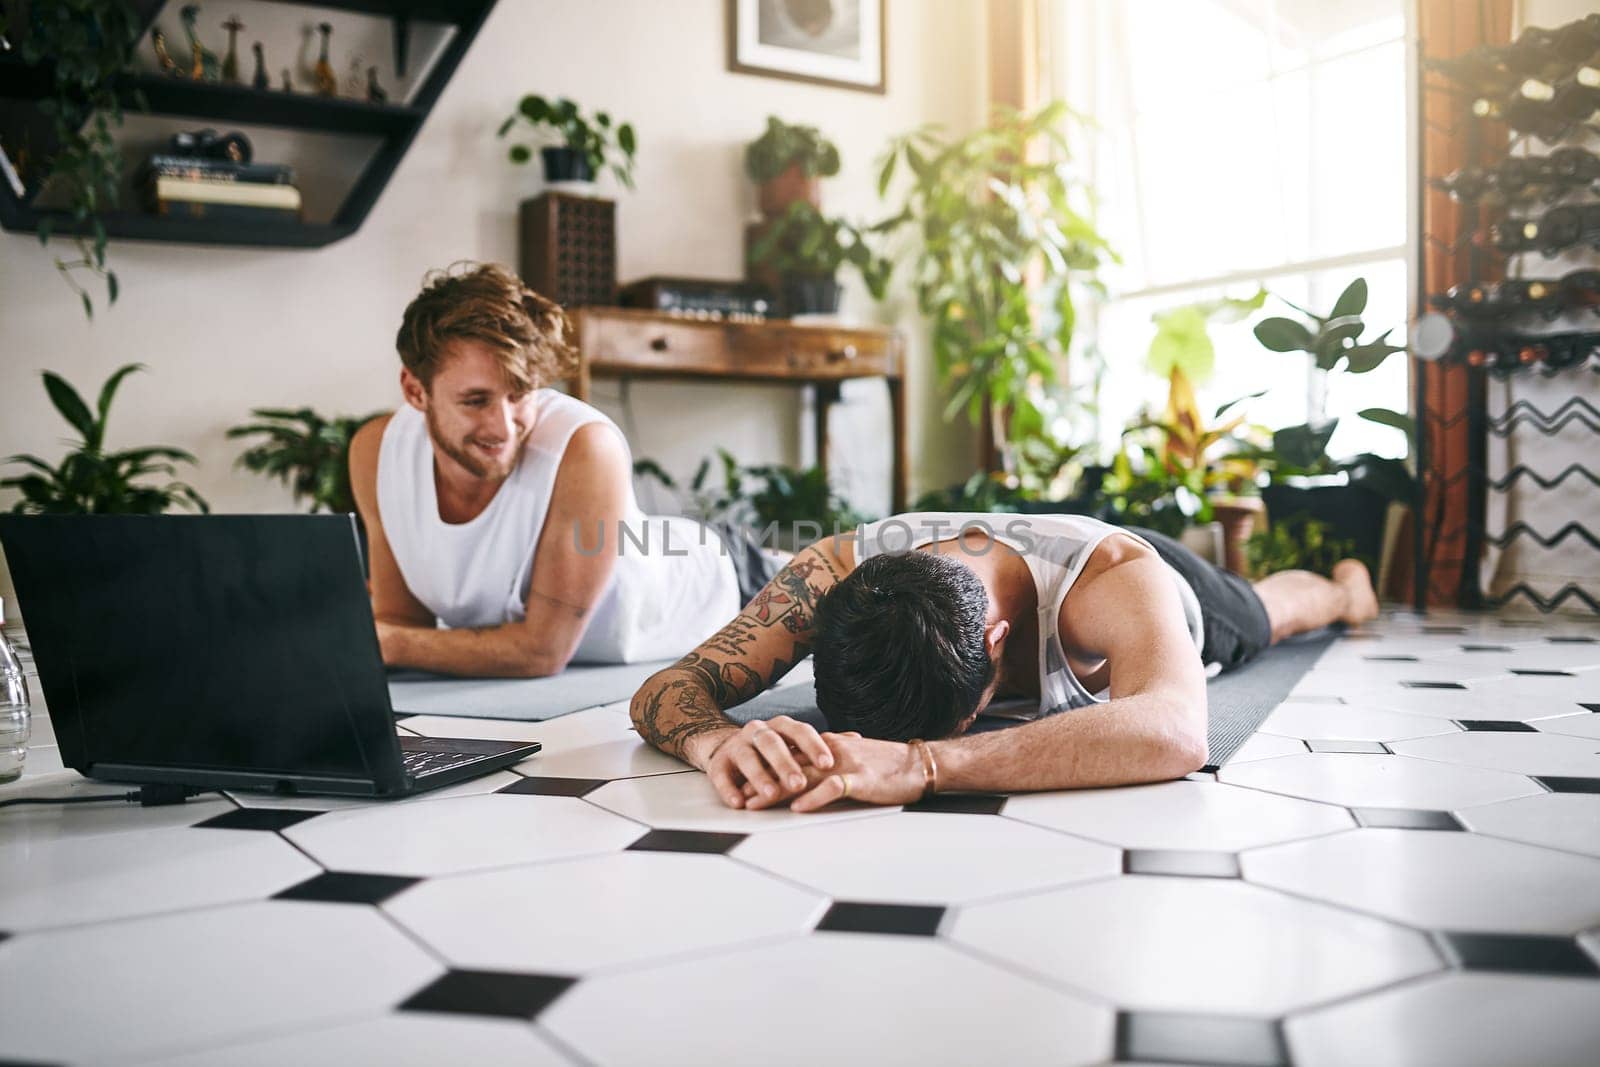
pixel 1055 548
pixel 672 587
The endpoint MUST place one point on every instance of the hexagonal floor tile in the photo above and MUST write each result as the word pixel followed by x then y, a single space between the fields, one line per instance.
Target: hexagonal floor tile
pixel 603 911
pixel 1179 815
pixel 112 876
pixel 1521 753
pixel 596 744
pixel 395 1040
pixel 461 834
pixel 912 858
pixel 1509 700
pixel 1357 780
pixel 185 982
pixel 857 993
pixel 1464 1020
pixel 1583 724
pixel 1195 945
pixel 687 802
pixel 1569 821
pixel 56 822
pixel 1266 746
pixel 1351 722
pixel 1447 881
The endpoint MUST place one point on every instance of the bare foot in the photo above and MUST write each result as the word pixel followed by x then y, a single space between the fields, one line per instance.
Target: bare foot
pixel 1352 574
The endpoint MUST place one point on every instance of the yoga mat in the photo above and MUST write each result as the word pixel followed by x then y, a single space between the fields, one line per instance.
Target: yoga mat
pixel 1238 701
pixel 528 699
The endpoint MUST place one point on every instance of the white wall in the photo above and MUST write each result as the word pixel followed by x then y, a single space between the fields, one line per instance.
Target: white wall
pixel 227 329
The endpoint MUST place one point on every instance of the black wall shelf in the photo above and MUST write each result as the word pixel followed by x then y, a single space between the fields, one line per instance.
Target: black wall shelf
pixel 395 126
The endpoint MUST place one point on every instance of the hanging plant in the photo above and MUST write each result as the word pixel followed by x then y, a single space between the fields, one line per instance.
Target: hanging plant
pixel 84 44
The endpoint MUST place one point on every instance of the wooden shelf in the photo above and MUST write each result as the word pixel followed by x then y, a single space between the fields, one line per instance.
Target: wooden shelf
pixel 23 86
pixel 135 226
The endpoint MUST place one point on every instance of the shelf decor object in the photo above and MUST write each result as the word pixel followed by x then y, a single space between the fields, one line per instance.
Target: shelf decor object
pixel 1506 388
pixel 23 127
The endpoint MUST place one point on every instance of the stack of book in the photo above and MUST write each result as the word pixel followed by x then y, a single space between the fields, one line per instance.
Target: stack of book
pixel 192 187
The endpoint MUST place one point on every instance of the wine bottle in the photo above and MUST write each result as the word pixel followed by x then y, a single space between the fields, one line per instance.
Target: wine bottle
pixel 1572 167
pixel 1482 69
pixel 1581 289
pixel 1517 295
pixel 1559 228
pixel 1467 184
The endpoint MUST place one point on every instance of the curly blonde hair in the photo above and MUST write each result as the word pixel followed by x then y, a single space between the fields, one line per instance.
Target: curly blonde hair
pixel 486 302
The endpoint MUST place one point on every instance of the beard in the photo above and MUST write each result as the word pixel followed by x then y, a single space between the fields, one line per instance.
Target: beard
pixel 475 463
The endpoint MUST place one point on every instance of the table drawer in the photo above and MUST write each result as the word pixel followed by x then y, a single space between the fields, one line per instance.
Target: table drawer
pixel 815 353
pixel 621 342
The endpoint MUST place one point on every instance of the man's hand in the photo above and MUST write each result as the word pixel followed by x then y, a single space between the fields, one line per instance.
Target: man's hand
pixel 755 766
pixel 872 772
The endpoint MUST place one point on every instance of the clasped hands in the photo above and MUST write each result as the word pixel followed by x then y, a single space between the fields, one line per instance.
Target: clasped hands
pixel 764 764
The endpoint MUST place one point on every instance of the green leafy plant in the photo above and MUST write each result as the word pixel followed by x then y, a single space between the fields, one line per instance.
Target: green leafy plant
pixel 601 142
pixel 760 495
pixel 1330 340
pixel 305 451
pixel 83 45
pixel 1297 543
pixel 803 241
pixel 90 480
pixel 782 145
pixel 1004 235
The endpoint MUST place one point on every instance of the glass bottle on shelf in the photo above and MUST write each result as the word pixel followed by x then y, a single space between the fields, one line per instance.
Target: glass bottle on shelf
pixel 15 717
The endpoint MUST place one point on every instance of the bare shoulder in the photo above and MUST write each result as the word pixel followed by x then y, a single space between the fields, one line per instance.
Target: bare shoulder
pixel 594 470
pixel 364 447
pixel 1125 590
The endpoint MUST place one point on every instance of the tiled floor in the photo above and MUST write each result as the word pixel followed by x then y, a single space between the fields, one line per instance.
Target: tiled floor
pixel 1388 873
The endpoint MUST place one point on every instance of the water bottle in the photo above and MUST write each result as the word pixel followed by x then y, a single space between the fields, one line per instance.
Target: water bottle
pixel 15 722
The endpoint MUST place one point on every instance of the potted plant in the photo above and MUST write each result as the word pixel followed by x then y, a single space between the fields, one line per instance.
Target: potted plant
pixel 804 250
pixel 1183 353
pixel 80 48
pixel 1005 237
pixel 587 145
pixel 90 480
pixel 1351 496
pixel 788 163
pixel 305 451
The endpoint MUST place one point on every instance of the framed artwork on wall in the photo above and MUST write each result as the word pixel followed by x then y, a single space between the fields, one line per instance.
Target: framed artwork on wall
pixel 829 42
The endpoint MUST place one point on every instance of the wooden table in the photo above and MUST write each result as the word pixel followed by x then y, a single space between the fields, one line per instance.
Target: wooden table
pixel 627 343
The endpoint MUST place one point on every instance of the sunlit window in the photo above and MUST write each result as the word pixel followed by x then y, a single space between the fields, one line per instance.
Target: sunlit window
pixel 1243 143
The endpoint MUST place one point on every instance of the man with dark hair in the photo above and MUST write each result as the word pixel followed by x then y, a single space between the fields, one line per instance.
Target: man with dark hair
pixel 504 537
pixel 918 623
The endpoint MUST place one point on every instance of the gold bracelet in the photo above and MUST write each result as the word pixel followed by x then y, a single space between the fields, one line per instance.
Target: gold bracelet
pixel 930 769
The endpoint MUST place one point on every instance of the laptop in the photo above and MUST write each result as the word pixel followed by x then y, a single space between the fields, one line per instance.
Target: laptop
pixel 220 652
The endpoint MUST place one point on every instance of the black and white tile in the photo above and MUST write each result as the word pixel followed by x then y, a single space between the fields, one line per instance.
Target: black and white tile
pixel 1385 873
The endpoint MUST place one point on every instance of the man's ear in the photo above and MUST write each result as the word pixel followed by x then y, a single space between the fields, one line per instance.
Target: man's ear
pixel 994 637
pixel 415 392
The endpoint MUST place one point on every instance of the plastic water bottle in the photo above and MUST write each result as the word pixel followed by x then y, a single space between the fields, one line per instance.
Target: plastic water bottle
pixel 15 719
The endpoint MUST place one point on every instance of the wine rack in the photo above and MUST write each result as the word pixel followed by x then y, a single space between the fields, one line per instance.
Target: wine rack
pixel 1514 343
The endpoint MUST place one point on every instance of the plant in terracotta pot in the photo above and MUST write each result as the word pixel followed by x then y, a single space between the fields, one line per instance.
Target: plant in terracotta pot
pixel 587 145
pixel 805 250
pixel 788 163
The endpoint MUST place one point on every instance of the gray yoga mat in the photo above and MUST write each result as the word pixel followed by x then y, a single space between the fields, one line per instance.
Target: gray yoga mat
pixel 528 699
pixel 1238 700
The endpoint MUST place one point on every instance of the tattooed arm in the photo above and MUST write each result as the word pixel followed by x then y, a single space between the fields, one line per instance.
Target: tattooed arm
pixel 680 709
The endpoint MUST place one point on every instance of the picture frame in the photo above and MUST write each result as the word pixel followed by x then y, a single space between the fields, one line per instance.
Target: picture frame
pixel 840 43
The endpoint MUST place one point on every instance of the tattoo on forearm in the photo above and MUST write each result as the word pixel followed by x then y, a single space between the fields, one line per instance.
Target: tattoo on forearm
pixel 695 690
pixel 692 713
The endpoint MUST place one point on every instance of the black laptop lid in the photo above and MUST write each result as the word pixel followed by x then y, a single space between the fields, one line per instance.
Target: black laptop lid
pixel 231 643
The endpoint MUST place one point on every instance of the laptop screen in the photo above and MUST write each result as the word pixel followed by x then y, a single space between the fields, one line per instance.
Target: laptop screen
pixel 225 643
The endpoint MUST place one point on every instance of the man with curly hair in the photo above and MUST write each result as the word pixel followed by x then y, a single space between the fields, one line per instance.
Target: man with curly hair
pixel 504 537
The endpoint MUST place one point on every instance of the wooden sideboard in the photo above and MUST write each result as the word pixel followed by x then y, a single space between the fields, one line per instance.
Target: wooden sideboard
pixel 625 343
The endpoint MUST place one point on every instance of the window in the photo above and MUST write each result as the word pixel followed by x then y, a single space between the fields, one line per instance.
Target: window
pixel 1240 143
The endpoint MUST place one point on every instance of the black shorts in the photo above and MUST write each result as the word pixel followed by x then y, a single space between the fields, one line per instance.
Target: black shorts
pixel 1235 621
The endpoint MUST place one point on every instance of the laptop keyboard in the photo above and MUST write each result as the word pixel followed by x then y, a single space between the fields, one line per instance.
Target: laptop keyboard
pixel 420 762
